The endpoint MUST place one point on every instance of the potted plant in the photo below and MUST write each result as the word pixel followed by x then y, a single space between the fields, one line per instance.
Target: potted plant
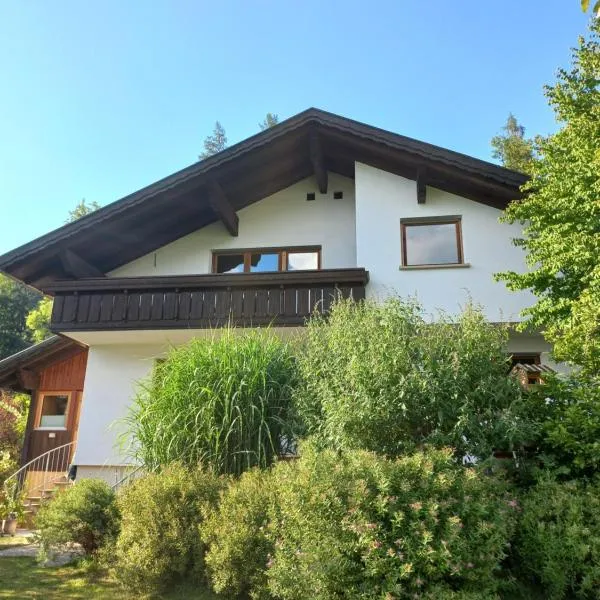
pixel 12 510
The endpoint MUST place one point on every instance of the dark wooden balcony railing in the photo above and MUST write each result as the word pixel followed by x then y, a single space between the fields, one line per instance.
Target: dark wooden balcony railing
pixel 200 301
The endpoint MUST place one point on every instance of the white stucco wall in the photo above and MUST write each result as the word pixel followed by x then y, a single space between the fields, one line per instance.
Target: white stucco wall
pixel 283 219
pixel 382 199
pixel 110 385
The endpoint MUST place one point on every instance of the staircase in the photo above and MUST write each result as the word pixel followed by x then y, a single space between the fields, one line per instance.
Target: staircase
pixel 40 479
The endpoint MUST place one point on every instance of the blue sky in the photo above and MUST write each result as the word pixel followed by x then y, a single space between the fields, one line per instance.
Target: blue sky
pixel 99 98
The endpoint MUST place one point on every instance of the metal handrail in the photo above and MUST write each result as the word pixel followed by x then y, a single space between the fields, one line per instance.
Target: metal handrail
pixel 56 460
pixel 131 476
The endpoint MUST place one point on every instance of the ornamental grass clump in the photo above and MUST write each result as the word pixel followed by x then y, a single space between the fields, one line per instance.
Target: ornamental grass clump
pixel 382 377
pixel 223 401
pixel 356 525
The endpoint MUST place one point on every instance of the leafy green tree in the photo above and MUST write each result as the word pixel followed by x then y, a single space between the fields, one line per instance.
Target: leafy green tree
pixel 16 300
pixel 269 121
pixel 512 148
pixel 82 209
pixel 585 5
pixel 38 320
pixel 561 215
pixel 214 143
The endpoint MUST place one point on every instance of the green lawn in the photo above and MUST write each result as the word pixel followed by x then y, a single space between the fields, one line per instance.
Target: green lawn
pixel 24 578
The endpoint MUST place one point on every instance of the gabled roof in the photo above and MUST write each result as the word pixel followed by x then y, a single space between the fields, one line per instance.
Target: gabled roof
pixel 34 358
pixel 312 142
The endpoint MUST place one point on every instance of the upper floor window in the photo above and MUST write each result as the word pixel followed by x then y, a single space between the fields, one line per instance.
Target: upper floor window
pixel 431 241
pixel 259 260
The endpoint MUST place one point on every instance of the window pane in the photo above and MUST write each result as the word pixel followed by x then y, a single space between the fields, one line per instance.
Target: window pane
pixel 302 261
pixel 431 244
pixel 54 411
pixel 230 263
pixel 264 262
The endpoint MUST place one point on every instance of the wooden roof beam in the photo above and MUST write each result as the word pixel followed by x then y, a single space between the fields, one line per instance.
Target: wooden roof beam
pixel 220 204
pixel 77 267
pixel 421 187
pixel 317 161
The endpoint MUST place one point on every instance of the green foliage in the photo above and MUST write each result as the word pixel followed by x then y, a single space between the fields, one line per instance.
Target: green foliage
pixel 16 300
pixel 558 538
pixel 585 5
pixel 224 402
pixel 561 216
pixel 84 514
pixel 269 121
pixel 214 143
pixel 13 420
pixel 511 148
pixel 159 541
pixel 237 537
pixel 82 209
pixel 380 377
pixel 38 320
pixel 359 526
pixel 568 412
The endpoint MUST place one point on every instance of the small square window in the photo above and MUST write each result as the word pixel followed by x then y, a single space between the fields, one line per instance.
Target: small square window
pixel 53 411
pixel 431 242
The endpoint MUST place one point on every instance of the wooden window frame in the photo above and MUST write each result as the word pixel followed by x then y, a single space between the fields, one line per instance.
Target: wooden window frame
pixel 282 261
pixel 418 222
pixel 40 403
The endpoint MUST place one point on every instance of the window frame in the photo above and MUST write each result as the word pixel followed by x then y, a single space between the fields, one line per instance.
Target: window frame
pixel 455 220
pixel 40 403
pixel 283 253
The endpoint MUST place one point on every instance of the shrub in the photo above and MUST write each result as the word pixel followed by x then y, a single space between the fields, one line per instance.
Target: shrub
pixel 558 538
pixel 355 525
pixel 380 377
pixel 568 409
pixel 237 537
pixel 223 402
pixel 159 540
pixel 84 513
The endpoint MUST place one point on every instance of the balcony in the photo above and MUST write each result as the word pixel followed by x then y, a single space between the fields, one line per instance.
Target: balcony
pixel 201 301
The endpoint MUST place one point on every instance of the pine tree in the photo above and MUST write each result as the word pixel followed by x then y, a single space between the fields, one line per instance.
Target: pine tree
pixel 512 148
pixel 269 121
pixel 214 143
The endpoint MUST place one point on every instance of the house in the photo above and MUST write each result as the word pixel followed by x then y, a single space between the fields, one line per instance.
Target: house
pixel 262 233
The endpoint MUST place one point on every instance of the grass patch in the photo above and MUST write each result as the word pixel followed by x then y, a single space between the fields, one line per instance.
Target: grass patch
pixel 24 578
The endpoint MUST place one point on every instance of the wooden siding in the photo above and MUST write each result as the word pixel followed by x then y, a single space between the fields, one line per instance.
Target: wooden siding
pixel 202 301
pixel 67 376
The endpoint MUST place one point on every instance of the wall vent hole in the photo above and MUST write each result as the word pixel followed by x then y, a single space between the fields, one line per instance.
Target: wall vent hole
pixel 338 195
pixel 310 196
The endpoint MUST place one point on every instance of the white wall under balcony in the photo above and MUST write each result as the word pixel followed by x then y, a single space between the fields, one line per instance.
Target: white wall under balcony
pixel 382 199
pixel 283 219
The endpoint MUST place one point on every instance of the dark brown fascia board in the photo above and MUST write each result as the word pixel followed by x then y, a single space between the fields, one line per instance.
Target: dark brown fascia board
pixel 351 275
pixel 196 171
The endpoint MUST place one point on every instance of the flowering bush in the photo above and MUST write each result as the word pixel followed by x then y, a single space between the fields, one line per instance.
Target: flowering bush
pixel 236 535
pixel 558 538
pixel 159 541
pixel 356 525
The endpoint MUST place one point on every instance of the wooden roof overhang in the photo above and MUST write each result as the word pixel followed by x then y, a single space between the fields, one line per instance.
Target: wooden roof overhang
pixel 313 142
pixel 19 372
